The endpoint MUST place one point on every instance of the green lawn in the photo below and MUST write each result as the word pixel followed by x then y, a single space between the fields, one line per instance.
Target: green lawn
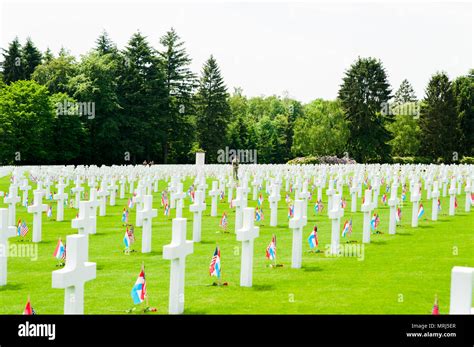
pixel 400 274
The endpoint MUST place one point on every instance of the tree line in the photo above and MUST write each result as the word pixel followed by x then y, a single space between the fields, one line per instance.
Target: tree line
pixel 114 106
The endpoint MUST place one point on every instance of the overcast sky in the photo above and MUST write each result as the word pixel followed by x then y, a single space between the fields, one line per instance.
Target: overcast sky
pixel 267 47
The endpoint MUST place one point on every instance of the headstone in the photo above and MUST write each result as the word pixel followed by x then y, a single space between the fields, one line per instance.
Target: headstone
pixel 415 199
pixel 76 272
pixel 214 193
pixel 85 222
pixel 434 204
pixel 353 192
pixel 77 190
pixel 60 197
pixel 197 208
pixel 247 235
pixel 177 251
pixel 273 199
pixel 37 209
pixel 6 232
pixel 468 190
pixel 462 279
pixel 330 193
pixel 102 197
pixel 336 213
pixel 239 203
pixel 367 208
pixel 452 197
pixel 112 192
pixel 146 216
pixel 297 223
pixel 11 200
pixel 393 203
pixel 178 197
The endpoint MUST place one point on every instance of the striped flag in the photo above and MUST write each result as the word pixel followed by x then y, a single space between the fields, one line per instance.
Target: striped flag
pixel 60 251
pixel 125 215
pixel 23 229
pixel 139 289
pixel 260 200
pixel 223 221
pixel 291 211
pixel 313 238
pixel 398 215
pixel 421 211
pixel 347 228
pixel 167 210
pixel 215 266
pixel 28 311
pixel 271 249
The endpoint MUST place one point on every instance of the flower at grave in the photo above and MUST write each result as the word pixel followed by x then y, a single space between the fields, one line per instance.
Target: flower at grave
pixel 271 249
pixel 421 211
pixel 223 222
pixel 313 238
pixel 28 311
pixel 215 266
pixel 139 289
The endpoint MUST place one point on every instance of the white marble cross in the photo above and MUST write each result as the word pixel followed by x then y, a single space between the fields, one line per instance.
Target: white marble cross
pixel 74 275
pixel 112 188
pixel 393 203
pixel 6 232
pixel 11 200
pixel 255 185
pixel 102 197
pixel 146 216
pixel 353 192
pixel 60 196
pixel 462 279
pixel 367 208
pixel 273 199
pixel 239 203
pixel 330 192
pixel 214 193
pixel 177 251
pixel 468 191
pixel 247 235
pixel 85 222
pixel 336 213
pixel 93 204
pixel 415 199
pixel 197 208
pixel 77 190
pixel 297 223
pixel 138 200
pixel 178 197
pixel 24 188
pixel 122 187
pixel 434 203
pixel 37 209
pixel 304 195
pixel 452 197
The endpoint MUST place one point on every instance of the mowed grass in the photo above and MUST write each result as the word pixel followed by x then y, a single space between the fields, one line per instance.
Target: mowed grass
pixel 398 274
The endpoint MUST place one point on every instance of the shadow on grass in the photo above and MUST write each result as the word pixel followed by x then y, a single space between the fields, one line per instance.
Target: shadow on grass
pixel 263 287
pixel 378 242
pixel 311 269
pixel 11 286
pixel 404 234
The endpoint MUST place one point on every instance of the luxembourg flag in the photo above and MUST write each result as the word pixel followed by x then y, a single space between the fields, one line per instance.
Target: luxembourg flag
pixel 49 213
pixel 346 229
pixel 384 199
pixel 421 211
pixel 139 289
pixel 126 240
pixel 373 222
pixel 271 249
pixel 313 238
pixel 167 210
pixel 18 230
pixel 260 200
pixel 291 211
pixel 60 251
pixel 124 215
pixel 258 215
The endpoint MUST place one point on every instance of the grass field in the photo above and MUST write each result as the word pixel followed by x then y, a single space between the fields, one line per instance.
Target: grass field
pixel 399 274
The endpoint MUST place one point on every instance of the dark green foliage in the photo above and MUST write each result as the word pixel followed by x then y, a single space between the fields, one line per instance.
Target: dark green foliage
pixel 13 67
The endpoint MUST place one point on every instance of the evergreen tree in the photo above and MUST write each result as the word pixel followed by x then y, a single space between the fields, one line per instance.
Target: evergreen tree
pixel 463 89
pixel 48 56
pixel 141 94
pixel 364 92
pixel 180 83
pixel 405 93
pixel 13 64
pixel 104 45
pixel 56 73
pixel 438 120
pixel 213 111
pixel 31 57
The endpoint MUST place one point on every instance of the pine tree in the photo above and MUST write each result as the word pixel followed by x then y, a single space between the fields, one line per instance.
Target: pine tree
pixel 364 93
pixel 213 111
pixel 405 93
pixel 48 56
pixel 463 89
pixel 438 120
pixel 32 58
pixel 13 64
pixel 180 83
pixel 141 94
pixel 104 45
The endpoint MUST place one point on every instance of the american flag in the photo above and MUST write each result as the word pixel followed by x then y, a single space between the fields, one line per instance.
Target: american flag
pixel 215 266
pixel 23 229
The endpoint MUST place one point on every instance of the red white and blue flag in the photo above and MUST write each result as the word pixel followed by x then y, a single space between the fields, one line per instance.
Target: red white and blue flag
pixel 139 289
pixel 313 238
pixel 60 251
pixel 271 249
pixel 421 211
pixel 215 266
pixel 28 311
pixel 223 221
